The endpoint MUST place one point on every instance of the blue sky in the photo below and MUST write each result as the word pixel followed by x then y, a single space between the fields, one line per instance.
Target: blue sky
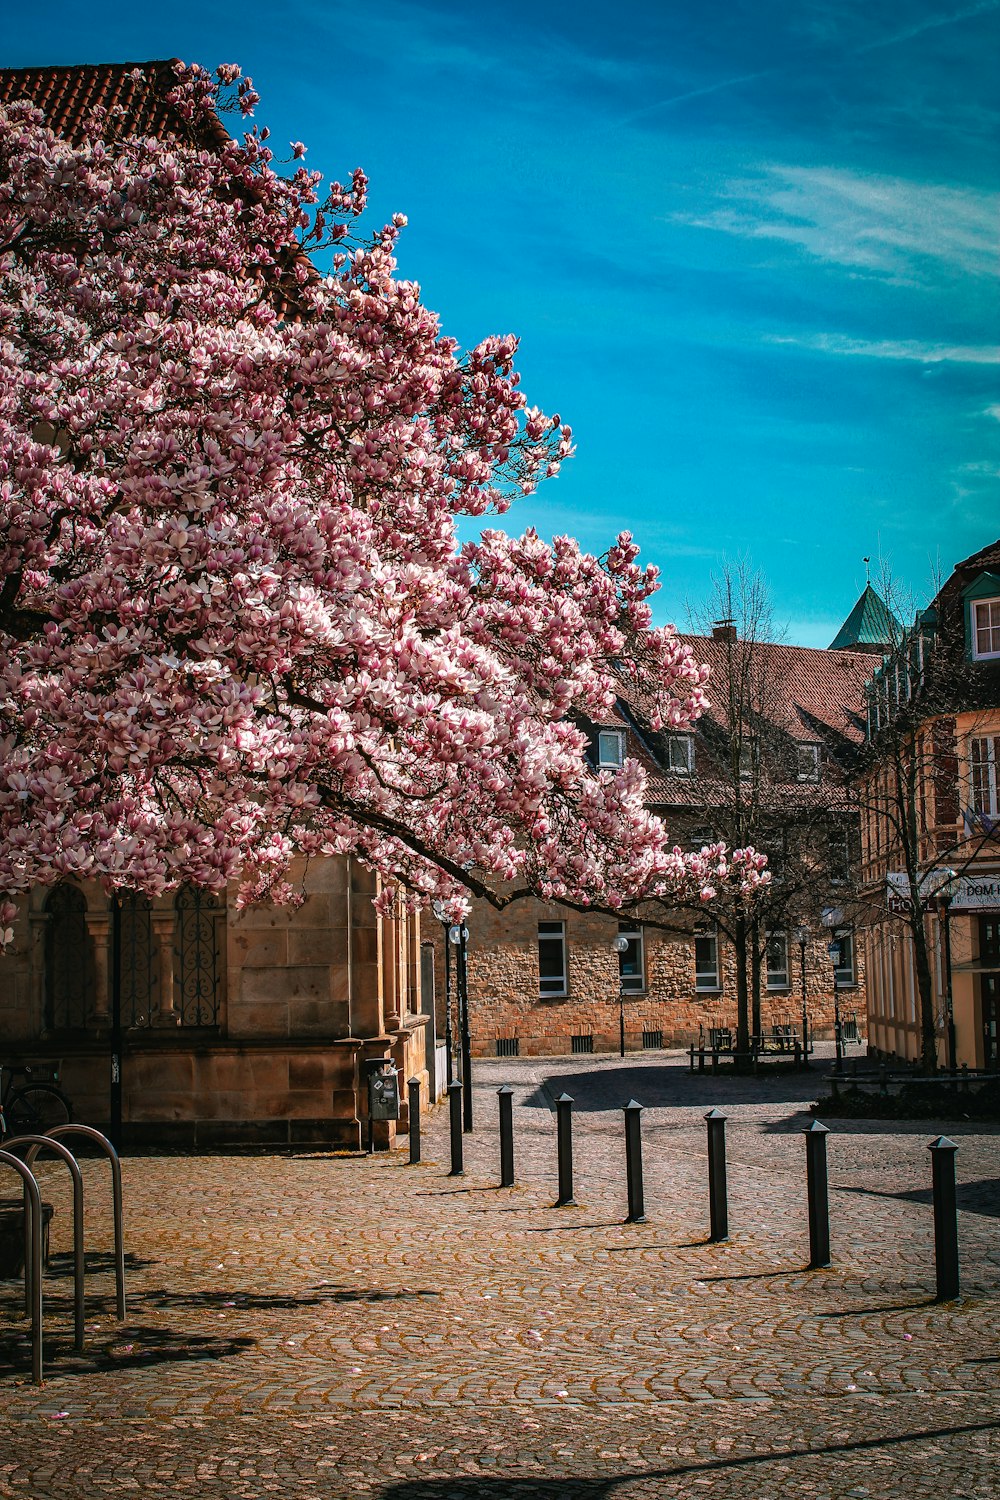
pixel 751 250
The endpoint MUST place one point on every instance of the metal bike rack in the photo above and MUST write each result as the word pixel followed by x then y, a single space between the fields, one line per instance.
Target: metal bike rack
pixel 35 1144
pixel 90 1134
pixel 33 1200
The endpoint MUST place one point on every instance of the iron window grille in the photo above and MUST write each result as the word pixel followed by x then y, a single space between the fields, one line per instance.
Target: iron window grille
pixel 652 1040
pixel 196 975
pixel 508 1046
pixel 582 1043
pixel 137 969
pixel 69 961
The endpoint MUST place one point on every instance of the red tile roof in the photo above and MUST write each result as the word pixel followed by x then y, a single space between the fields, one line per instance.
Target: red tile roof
pixel 67 94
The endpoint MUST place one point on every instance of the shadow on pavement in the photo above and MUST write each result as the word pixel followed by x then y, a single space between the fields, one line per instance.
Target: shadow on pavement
pixel 136 1346
pixel 160 1297
pixel 981 1197
pixel 478 1487
pixel 672 1087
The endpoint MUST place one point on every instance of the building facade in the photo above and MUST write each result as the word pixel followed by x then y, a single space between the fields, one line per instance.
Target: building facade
pixel 930 807
pixel 767 767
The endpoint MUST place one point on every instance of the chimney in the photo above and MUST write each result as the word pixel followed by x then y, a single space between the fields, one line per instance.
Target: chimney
pixel 723 630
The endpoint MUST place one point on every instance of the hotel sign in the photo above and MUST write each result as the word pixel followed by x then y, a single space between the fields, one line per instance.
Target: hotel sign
pixel 970 892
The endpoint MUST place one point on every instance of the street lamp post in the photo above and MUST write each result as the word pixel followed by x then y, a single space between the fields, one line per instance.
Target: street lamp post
pixel 458 935
pixel 832 918
pixel 620 945
pixel 802 938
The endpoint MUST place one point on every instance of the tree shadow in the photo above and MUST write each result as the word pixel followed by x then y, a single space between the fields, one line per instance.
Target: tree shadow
pixel 608 1090
pixel 264 1301
pixel 133 1347
pixel 61 1262
pixel 461 1487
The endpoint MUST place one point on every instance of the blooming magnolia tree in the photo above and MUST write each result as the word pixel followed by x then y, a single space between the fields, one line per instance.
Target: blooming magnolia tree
pixel 235 620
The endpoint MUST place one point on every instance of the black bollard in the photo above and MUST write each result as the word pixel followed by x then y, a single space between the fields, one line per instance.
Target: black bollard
pixel 816 1188
pixel 945 1217
pixel 701 1058
pixel 455 1106
pixel 506 1098
pixel 718 1202
pixel 413 1096
pixel 564 1127
pixel 633 1162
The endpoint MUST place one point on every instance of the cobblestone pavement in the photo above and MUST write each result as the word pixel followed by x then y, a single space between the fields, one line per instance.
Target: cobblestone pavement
pixel 348 1326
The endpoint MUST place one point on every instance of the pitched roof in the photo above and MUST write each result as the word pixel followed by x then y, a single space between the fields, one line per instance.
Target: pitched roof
pixel 66 95
pixel 871 626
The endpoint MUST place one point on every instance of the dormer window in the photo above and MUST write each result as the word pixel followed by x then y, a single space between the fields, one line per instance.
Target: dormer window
pixel 680 754
pixel 985 628
pixel 610 748
pixel 747 759
pixel 808 762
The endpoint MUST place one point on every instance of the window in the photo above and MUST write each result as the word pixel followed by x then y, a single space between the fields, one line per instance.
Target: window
pixel 552 958
pixel 777 961
pixel 610 747
pixel 843 964
pixel 582 1043
pixel 808 762
pixel 701 838
pixel 747 759
pixel 680 754
pixel 986 628
pixel 839 856
pixel 631 963
pixel 984 774
pixel 706 961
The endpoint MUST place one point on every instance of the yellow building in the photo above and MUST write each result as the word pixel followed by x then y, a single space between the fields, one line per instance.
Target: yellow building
pixel 929 796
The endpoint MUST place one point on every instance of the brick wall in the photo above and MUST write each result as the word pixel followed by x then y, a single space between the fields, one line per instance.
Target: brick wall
pixel 504 998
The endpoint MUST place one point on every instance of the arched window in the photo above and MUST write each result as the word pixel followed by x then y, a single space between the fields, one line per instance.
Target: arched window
pixel 196 967
pixel 69 961
pixel 137 960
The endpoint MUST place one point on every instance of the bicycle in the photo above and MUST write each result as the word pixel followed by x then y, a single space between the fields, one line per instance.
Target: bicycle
pixel 35 1106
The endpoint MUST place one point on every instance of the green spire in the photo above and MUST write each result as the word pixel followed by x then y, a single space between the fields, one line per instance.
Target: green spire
pixel 870 626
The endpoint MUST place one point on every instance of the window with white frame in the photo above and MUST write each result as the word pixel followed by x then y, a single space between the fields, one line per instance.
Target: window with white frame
pixel 631 962
pixel 701 837
pixel 843 964
pixel 610 748
pixel 747 759
pixel 808 762
pixel 552 958
pixel 984 774
pixel 985 628
pixel 680 754
pixel 706 961
pixel 777 961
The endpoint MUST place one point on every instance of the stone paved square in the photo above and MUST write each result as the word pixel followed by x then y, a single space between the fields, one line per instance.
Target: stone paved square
pixel 341 1326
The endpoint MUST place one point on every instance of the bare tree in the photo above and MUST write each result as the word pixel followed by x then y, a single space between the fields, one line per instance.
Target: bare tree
pixel 929 708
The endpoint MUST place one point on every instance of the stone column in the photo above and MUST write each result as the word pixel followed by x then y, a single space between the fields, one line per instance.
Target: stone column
pixel 164 926
pixel 38 924
pixel 99 928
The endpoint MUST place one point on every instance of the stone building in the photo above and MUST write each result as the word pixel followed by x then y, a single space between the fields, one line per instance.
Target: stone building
pixel 770 771
pixel 202 1023
pixel 930 800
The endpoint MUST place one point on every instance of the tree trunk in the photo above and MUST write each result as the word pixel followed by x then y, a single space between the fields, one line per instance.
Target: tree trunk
pixel 925 991
pixel 742 990
pixel 755 966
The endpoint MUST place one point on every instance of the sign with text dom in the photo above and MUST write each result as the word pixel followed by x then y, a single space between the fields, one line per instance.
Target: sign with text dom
pixel 969 892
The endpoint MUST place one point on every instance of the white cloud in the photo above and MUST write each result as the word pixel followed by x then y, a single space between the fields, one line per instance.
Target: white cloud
pixel 886 226
pixel 916 350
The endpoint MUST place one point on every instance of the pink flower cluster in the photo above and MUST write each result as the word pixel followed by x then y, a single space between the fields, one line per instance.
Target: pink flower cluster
pixel 235 619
